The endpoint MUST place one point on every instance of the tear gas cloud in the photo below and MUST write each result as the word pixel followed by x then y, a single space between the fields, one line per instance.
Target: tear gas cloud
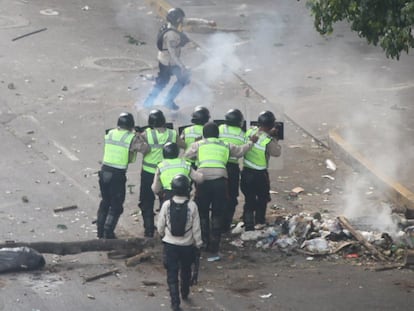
pixel 221 58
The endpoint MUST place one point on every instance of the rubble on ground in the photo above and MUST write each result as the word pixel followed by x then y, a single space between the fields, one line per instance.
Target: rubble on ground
pixel 321 235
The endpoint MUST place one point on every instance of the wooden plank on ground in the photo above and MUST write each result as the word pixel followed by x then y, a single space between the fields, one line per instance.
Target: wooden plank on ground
pixel 357 235
pixel 76 247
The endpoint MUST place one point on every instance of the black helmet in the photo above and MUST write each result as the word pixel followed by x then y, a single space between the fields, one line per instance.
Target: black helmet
pixel 156 118
pixel 170 151
pixel 200 115
pixel 234 117
pixel 126 121
pixel 180 185
pixel 210 129
pixel 266 119
pixel 175 16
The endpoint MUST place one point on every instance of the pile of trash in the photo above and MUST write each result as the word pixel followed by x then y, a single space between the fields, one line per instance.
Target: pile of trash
pixel 318 235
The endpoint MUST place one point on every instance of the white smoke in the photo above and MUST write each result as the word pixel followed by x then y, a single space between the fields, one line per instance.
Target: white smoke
pixel 221 58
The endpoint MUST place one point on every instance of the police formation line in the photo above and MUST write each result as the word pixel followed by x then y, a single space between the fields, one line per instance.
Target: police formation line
pixel 197 186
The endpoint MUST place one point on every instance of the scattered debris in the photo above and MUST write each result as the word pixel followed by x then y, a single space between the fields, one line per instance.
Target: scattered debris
pixel 313 235
pixel 237 243
pixel 239 229
pixel 316 246
pixel 29 34
pixel 330 165
pixel 328 176
pixel 297 190
pixel 101 275
pixel 49 12
pixel 151 283
pixel 25 199
pixel 132 40
pixel 137 259
pixel 266 296
pixel 62 227
pixel 345 223
pixel 213 258
pixel 65 208
pixel 130 187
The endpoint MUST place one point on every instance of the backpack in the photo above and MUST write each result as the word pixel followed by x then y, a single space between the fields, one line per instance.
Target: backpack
pixel 178 217
pixel 160 37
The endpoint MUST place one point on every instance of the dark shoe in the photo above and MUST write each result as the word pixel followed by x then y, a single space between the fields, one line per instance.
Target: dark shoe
pixel 184 293
pixel 172 106
pixel 175 307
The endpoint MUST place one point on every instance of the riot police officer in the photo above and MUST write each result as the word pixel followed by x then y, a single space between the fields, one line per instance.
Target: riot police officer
pixel 169 42
pixel 155 137
pixel 232 132
pixel 168 168
pixel 212 155
pixel 254 182
pixel 199 117
pixel 120 150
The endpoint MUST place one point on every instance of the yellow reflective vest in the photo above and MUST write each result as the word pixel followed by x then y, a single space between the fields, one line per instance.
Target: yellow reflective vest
pixel 156 140
pixel 116 152
pixel 191 133
pixel 255 158
pixel 212 152
pixel 169 168
pixel 232 134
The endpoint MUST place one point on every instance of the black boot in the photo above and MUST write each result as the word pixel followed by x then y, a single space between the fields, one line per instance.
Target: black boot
pixel 216 229
pixel 109 227
pixel 205 231
pixel 248 219
pixel 175 296
pixel 148 225
pixel 185 289
pixel 100 223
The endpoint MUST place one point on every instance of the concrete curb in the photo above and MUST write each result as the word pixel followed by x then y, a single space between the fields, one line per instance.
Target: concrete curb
pixel 393 189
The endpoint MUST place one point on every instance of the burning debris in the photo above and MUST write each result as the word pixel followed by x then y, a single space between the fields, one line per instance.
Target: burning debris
pixel 316 235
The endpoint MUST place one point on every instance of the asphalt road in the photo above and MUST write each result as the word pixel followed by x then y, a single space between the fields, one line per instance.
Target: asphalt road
pixel 62 87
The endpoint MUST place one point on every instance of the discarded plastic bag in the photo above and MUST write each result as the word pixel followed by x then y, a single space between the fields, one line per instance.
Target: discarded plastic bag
pixel 252 235
pixel 239 229
pixel 286 242
pixel 20 259
pixel 317 246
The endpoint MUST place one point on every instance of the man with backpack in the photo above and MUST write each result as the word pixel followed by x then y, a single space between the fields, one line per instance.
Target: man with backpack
pixel 170 40
pixel 179 227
